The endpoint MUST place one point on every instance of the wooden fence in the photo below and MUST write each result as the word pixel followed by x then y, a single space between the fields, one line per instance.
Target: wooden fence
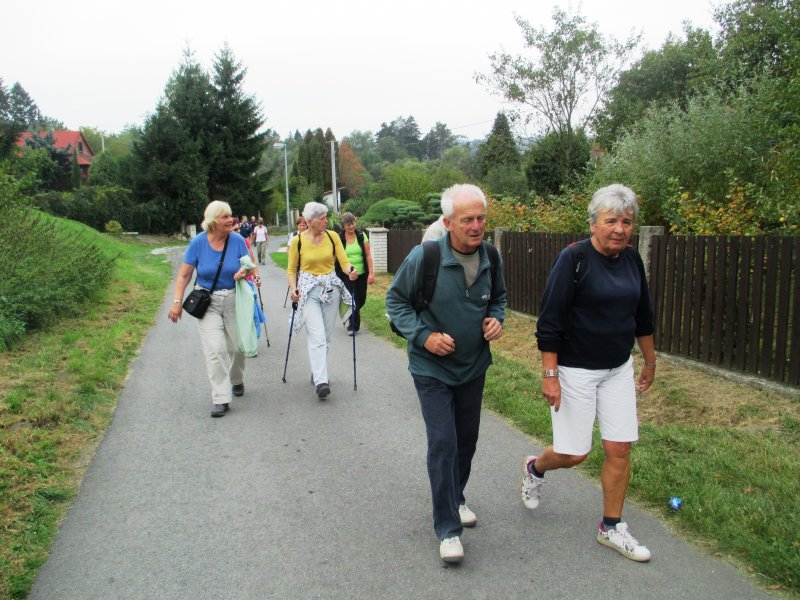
pixel 728 301
pixel 400 243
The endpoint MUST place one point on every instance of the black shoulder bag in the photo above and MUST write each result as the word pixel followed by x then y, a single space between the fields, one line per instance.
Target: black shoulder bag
pixel 197 303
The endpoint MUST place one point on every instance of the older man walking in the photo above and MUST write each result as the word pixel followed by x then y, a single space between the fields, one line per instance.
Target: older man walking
pixel 448 350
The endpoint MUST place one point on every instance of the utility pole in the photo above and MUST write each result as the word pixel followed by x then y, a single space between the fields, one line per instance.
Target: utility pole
pixel 284 147
pixel 333 178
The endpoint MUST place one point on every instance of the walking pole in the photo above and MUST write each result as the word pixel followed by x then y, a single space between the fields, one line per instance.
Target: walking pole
pixel 291 327
pixel 287 297
pixel 352 324
pixel 261 302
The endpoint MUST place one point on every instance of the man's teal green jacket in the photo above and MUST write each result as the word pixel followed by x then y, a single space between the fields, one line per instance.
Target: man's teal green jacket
pixel 454 310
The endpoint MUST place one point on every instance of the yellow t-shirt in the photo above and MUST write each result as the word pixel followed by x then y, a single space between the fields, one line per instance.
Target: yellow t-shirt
pixel 317 260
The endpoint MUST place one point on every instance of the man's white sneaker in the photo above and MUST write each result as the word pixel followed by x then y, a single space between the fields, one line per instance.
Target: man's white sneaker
pixel 468 518
pixel 620 539
pixel 531 486
pixel 451 550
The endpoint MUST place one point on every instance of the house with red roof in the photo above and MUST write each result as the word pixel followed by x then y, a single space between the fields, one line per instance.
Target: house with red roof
pixel 71 141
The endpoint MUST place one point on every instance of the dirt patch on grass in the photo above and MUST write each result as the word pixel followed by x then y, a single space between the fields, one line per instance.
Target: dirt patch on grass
pixel 156 240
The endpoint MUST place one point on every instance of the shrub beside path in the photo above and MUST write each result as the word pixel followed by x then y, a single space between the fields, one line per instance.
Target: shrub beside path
pixel 289 497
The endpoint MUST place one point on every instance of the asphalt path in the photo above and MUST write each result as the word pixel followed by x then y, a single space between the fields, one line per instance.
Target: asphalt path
pixel 289 497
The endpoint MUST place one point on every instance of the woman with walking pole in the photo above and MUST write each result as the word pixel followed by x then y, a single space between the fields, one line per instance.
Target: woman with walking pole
pixel 356 245
pixel 313 284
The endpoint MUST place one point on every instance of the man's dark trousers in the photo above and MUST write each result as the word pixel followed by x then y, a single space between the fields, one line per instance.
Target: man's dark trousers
pixel 452 418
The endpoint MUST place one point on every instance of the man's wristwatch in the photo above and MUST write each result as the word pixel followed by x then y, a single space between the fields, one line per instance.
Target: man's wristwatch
pixel 550 373
pixel 176 302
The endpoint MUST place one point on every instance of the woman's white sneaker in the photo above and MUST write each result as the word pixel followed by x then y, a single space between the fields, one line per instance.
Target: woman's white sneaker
pixel 620 539
pixel 468 518
pixel 531 486
pixel 451 550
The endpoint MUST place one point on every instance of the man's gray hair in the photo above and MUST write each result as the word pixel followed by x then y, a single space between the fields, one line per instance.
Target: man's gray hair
pixel 312 210
pixel 616 198
pixel 460 190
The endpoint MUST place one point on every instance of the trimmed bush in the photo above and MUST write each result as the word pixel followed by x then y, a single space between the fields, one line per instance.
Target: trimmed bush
pixel 395 213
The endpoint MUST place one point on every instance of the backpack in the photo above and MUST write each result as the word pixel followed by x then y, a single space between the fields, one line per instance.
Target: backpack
pixel 431 257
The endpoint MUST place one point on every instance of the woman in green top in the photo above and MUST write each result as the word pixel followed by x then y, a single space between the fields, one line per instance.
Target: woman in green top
pixel 356 245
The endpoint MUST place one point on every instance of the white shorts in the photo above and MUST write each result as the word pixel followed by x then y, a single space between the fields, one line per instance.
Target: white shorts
pixel 608 394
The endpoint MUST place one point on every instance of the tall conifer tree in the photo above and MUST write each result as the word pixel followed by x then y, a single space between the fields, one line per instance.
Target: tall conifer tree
pixel 232 175
pixel 500 147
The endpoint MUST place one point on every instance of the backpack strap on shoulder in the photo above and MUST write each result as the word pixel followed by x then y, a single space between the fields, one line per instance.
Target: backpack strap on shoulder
pixel 299 245
pixel 333 246
pixel 578 261
pixel 494 261
pixel 431 257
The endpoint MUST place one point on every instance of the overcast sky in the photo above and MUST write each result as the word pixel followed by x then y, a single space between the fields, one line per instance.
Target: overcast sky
pixel 346 64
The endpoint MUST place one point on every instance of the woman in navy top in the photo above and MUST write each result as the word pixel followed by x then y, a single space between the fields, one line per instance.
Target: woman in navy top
pixel 596 304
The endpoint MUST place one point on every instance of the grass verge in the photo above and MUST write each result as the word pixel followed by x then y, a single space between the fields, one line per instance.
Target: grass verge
pixel 739 477
pixel 281 259
pixel 58 390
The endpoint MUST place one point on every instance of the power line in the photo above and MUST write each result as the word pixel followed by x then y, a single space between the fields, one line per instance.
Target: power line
pixel 472 124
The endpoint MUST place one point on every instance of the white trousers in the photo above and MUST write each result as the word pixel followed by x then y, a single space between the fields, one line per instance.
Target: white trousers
pixel 320 319
pixel 224 361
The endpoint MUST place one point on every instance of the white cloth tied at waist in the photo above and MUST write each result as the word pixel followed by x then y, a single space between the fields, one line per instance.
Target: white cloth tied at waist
pixel 307 282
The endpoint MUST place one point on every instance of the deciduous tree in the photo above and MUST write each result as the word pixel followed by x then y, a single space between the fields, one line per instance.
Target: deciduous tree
pixel 564 77
pixel 399 138
pixel 351 172
pixel 543 168
pixel 674 73
pixel 438 140
pixel 363 144
pixel 55 173
pixel 409 180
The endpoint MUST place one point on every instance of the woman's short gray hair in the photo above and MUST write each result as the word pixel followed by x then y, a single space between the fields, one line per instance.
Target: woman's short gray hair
pixel 212 214
pixel 346 218
pixel 312 210
pixel 615 198
pixel 460 190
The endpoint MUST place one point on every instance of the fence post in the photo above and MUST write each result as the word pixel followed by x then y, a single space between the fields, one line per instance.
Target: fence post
pixel 379 246
pixel 498 237
pixel 646 234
